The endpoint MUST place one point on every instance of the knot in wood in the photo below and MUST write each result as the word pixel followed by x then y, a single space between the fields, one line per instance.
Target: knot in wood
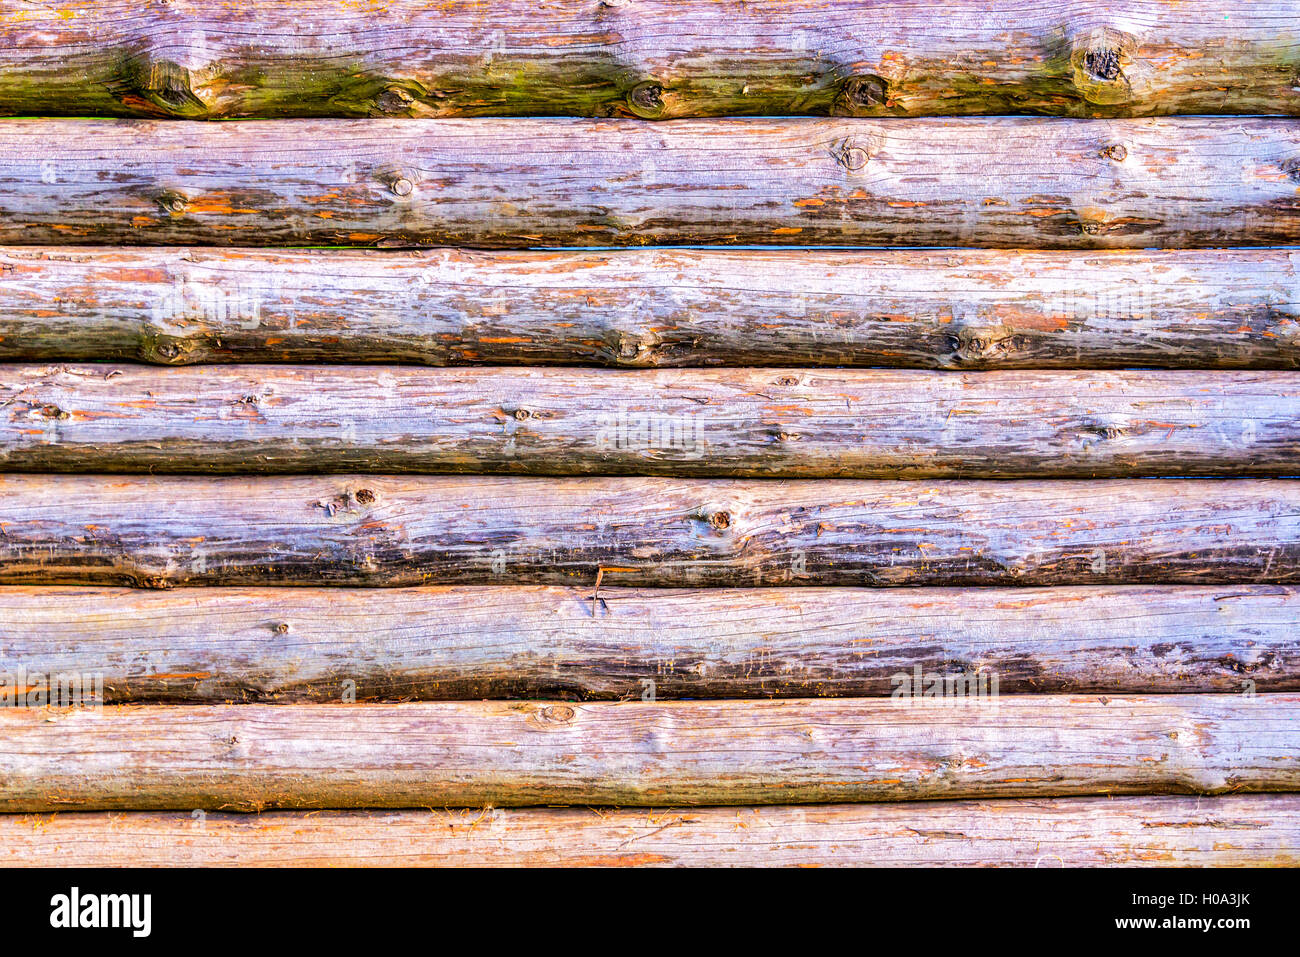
pixel 1292 170
pixel 402 186
pixel 849 155
pixel 158 346
pixel 172 202
pixel 552 716
pixel 1102 64
pixel 1102 430
pixel 156 582
pixel 1116 151
pixel 974 344
pixel 628 347
pixel 720 520
pixel 866 91
pixel 1097 57
pixel 365 496
pixel 163 83
pixel 175 94
pixel 646 99
pixel 634 347
pixel 394 99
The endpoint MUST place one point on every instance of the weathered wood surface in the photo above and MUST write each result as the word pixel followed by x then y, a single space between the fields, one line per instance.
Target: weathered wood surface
pixel 556 182
pixel 376 530
pixel 861 423
pixel 1229 831
pixel 651 58
pixel 329 644
pixel 472 753
pixel 953 309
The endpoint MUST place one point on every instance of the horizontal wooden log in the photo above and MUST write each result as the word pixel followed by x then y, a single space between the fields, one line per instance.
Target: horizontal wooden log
pixel 956 308
pixel 736 422
pixel 471 753
pixel 557 182
pixel 1230 831
pixel 651 59
pixel 329 644
pixel 375 530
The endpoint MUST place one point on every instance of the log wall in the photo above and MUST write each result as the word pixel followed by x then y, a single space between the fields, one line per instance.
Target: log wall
pixel 1069 429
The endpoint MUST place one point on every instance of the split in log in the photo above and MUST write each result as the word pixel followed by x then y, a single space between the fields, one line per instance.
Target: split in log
pixel 649 59
pixel 1230 831
pixel 795 751
pixel 377 530
pixel 958 309
pixel 334 644
pixel 734 422
pixel 557 182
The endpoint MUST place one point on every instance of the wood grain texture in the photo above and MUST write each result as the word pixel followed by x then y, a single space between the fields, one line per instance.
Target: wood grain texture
pixel 1230 831
pixel 735 422
pixel 559 182
pixel 950 309
pixel 324 644
pixel 376 530
pixel 651 58
pixel 793 751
